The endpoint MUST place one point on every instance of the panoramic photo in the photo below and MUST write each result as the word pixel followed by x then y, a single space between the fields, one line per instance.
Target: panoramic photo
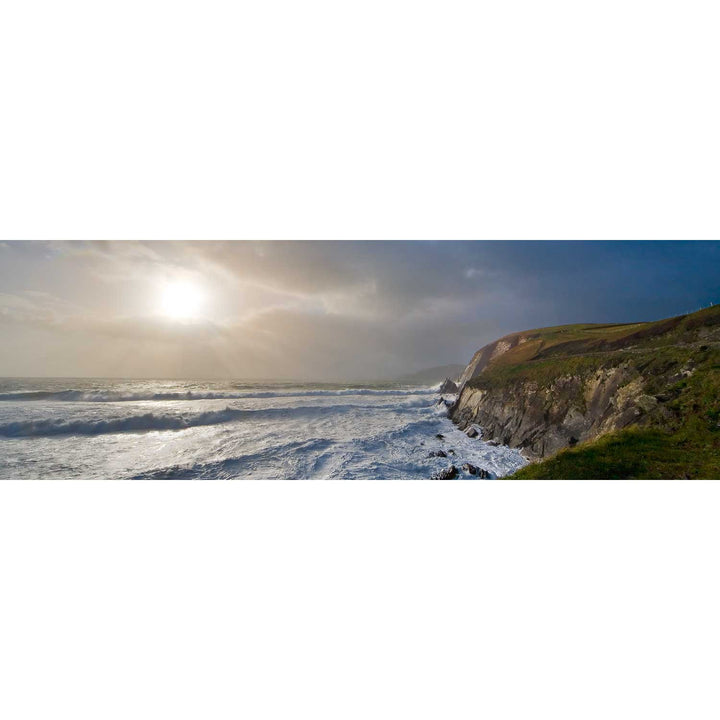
pixel 413 360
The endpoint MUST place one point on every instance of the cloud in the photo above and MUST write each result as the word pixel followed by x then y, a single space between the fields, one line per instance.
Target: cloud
pixel 322 310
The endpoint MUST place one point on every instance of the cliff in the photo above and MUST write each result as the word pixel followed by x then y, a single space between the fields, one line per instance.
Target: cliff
pixel 558 392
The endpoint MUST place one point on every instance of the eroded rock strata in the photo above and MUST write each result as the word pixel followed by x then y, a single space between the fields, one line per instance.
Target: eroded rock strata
pixel 545 390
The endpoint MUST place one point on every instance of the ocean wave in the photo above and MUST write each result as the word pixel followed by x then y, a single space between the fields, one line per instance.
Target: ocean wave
pixel 302 459
pixel 134 423
pixel 153 421
pixel 246 465
pixel 118 396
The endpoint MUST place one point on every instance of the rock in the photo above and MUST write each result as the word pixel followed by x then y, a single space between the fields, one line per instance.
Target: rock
pixel 448 387
pixel 472 432
pixel 437 453
pixel 448 473
pixel 469 467
pixel 493 443
pixel 451 451
pixel 475 470
pixel 439 436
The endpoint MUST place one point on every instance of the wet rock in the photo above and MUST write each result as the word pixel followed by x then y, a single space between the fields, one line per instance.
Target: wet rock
pixel 440 436
pixel 437 453
pixel 451 451
pixel 477 471
pixel 472 432
pixel 493 443
pixel 448 473
pixel 448 387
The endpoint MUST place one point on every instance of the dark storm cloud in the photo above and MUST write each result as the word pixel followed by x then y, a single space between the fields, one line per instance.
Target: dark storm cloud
pixel 324 310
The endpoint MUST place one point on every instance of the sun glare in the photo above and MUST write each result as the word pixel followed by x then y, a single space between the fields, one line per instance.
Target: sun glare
pixel 181 301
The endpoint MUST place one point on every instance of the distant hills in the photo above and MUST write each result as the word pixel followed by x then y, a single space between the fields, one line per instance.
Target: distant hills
pixel 433 375
pixel 635 400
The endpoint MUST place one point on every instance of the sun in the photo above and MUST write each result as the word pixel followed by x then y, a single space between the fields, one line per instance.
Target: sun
pixel 181 300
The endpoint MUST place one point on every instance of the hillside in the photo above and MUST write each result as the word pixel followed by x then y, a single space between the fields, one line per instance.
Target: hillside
pixel 433 375
pixel 602 401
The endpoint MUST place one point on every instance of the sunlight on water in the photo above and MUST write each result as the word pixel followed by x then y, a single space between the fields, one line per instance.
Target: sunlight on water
pixel 148 429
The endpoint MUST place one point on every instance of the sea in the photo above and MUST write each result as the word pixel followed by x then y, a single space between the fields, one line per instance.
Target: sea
pixel 64 428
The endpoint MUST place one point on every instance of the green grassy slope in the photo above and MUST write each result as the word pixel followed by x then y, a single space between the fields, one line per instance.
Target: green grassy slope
pixel 679 362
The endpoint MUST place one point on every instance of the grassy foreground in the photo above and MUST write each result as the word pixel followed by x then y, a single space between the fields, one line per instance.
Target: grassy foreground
pixel 632 454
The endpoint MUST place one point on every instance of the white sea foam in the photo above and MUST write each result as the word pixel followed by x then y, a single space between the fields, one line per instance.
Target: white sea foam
pixel 197 429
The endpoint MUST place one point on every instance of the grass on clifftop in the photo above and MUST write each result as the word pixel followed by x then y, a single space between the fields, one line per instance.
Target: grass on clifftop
pixel 548 353
pixel 631 454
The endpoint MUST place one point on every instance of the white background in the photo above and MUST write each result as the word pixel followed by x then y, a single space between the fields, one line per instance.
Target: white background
pixel 382 118
pixel 344 120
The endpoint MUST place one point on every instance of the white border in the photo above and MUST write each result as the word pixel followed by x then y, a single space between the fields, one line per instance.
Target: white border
pixel 345 120
pixel 392 120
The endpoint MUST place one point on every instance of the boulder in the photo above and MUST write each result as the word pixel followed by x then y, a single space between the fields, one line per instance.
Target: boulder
pixel 448 387
pixel 437 453
pixel 440 436
pixel 448 473
pixel 472 432
pixel 475 470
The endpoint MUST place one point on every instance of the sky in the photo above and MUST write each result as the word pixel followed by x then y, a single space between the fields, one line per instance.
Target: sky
pixel 319 311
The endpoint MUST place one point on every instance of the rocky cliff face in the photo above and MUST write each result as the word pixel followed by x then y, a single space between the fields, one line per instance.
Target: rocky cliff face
pixel 550 389
pixel 485 355
pixel 541 419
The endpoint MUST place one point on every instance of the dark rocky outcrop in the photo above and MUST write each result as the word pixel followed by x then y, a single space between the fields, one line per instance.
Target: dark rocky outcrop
pixel 448 387
pixel 448 473
pixel 475 470
pixel 437 453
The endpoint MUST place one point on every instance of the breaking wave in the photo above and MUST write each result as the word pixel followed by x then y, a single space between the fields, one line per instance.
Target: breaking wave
pixel 151 421
pixel 118 396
